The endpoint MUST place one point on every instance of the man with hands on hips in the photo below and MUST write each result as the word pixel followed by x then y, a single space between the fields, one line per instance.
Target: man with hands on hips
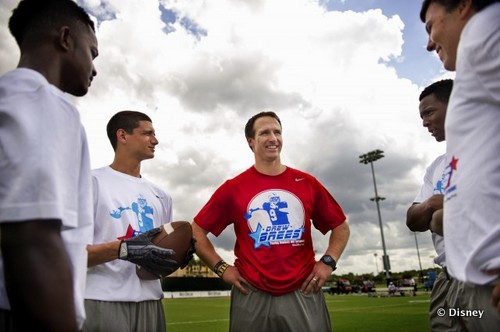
pixel 276 279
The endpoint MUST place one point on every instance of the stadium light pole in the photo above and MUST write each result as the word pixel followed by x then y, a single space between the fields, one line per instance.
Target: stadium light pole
pixel 366 158
pixel 419 261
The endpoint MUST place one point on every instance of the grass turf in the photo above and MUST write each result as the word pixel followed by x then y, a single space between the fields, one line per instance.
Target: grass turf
pixel 347 312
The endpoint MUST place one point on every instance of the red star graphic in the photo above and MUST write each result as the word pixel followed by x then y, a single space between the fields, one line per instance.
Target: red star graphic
pixel 130 233
pixel 454 162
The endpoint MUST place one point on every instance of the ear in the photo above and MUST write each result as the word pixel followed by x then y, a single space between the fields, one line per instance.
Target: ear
pixel 121 136
pixel 249 141
pixel 466 10
pixel 64 38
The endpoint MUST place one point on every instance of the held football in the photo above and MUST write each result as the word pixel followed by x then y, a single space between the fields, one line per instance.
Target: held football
pixel 175 235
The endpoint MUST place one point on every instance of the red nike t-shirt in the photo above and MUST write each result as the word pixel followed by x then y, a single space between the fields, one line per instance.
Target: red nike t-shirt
pixel 272 220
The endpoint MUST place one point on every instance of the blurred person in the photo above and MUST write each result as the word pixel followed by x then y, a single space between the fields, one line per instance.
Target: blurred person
pixel 45 181
pixel 276 279
pixel 466 36
pixel 128 209
pixel 391 289
pixel 426 213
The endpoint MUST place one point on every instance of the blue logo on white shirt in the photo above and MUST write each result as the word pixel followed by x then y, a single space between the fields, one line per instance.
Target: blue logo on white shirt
pixel 143 212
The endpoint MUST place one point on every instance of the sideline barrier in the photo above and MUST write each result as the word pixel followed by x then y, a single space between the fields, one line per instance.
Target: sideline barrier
pixel 400 291
pixel 193 294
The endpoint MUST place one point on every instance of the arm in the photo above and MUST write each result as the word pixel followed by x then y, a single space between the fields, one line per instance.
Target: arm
pixel 102 253
pixel 38 276
pixel 495 294
pixel 138 250
pixel 436 224
pixel 206 251
pixel 336 245
pixel 419 215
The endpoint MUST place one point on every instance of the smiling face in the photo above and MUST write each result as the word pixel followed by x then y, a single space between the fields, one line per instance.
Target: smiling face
pixel 433 113
pixel 267 141
pixel 444 29
pixel 141 143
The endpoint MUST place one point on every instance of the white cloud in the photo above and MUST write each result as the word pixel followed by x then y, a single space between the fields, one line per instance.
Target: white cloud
pixel 325 73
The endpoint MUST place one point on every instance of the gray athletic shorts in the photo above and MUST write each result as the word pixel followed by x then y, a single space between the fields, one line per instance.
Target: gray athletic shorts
pixel 443 297
pixel 263 312
pixel 103 316
pixel 470 300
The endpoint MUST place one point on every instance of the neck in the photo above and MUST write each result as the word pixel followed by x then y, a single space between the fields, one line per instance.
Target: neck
pixel 46 65
pixel 129 167
pixel 270 168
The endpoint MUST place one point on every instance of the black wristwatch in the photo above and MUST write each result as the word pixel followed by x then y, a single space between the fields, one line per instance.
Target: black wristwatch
pixel 328 260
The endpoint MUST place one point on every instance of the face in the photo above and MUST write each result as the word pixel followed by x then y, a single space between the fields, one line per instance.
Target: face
pixel 444 31
pixel 141 143
pixel 267 141
pixel 79 69
pixel 433 114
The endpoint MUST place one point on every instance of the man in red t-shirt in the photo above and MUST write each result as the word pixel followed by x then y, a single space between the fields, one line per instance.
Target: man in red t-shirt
pixel 276 279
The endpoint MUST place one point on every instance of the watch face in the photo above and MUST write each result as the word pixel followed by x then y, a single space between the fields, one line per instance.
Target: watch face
pixel 328 259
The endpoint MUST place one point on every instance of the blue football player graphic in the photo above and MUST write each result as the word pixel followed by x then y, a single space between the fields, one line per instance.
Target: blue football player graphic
pixel 276 210
pixel 143 212
pixel 439 188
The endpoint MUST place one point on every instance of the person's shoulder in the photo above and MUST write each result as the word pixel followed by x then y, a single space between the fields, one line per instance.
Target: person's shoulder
pixel 101 171
pixel 488 14
pixel 298 174
pixel 22 80
pixel 436 162
pixel 249 172
pixel 159 191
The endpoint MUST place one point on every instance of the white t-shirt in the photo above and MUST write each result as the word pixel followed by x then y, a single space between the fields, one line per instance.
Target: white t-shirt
pixel 433 184
pixel 124 206
pixel 45 167
pixel 472 199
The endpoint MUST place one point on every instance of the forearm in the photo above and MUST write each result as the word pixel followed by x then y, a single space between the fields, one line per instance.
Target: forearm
pixel 419 215
pixel 38 276
pixel 204 247
pixel 436 224
pixel 338 240
pixel 102 253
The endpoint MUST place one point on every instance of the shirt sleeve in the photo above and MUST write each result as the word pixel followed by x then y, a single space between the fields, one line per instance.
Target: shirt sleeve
pixel 327 212
pixel 213 217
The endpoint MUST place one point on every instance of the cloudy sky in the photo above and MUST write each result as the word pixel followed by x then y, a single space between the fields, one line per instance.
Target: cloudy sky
pixel 343 75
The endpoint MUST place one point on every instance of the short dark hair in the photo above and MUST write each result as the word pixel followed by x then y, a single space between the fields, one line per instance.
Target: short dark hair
pixel 450 5
pixel 38 16
pixel 126 120
pixel 441 89
pixel 250 131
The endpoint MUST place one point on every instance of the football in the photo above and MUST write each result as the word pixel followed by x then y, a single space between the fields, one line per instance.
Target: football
pixel 175 235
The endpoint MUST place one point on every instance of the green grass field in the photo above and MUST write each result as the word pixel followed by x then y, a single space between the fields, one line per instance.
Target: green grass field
pixel 349 313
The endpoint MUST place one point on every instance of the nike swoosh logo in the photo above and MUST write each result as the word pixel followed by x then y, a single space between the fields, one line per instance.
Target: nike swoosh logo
pixel 298 179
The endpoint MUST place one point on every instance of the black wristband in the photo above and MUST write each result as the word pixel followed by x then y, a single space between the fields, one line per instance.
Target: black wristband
pixel 220 268
pixel 217 265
